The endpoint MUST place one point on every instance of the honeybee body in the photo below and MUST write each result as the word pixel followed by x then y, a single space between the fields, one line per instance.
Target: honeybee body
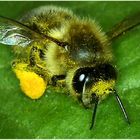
pixel 87 45
pixel 53 44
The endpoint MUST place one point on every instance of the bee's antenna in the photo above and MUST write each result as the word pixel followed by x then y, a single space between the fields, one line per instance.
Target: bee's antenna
pixel 121 106
pixel 96 99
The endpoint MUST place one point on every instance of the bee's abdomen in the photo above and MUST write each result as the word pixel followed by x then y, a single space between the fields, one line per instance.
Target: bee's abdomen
pixel 45 18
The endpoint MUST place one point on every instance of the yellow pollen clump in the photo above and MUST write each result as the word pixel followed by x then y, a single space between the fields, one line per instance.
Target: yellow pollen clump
pixel 31 84
pixel 103 87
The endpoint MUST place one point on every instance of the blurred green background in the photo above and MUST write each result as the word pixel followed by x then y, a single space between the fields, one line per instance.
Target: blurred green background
pixel 57 115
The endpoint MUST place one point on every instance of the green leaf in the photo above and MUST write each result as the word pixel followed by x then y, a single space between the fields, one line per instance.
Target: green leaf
pixel 57 115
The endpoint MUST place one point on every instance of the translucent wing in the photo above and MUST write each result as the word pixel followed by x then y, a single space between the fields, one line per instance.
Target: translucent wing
pixel 15 33
pixel 124 26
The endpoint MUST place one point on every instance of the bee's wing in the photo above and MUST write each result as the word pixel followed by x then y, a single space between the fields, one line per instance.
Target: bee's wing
pixel 15 33
pixel 124 26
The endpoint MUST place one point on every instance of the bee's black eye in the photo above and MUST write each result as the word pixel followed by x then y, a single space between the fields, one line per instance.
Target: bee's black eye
pixel 78 82
pixel 81 75
pixel 91 75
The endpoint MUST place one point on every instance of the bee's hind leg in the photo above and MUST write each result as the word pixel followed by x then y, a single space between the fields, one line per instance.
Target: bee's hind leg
pixel 34 62
pixel 33 77
pixel 33 55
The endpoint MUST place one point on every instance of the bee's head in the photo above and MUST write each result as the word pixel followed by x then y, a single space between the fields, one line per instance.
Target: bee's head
pixel 91 82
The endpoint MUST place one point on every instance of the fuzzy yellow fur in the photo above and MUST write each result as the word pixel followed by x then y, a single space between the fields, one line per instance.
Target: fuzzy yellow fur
pixel 103 88
pixel 69 82
pixel 58 61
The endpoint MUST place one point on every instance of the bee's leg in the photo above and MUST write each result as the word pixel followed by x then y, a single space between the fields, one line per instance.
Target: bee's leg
pixel 33 77
pixel 32 83
pixel 33 55
pixel 56 78
pixel 36 55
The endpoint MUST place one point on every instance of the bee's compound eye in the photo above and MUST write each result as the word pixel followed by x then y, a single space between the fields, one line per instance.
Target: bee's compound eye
pixel 79 79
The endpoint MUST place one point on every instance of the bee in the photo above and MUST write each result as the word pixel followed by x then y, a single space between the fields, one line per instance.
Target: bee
pixel 53 46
